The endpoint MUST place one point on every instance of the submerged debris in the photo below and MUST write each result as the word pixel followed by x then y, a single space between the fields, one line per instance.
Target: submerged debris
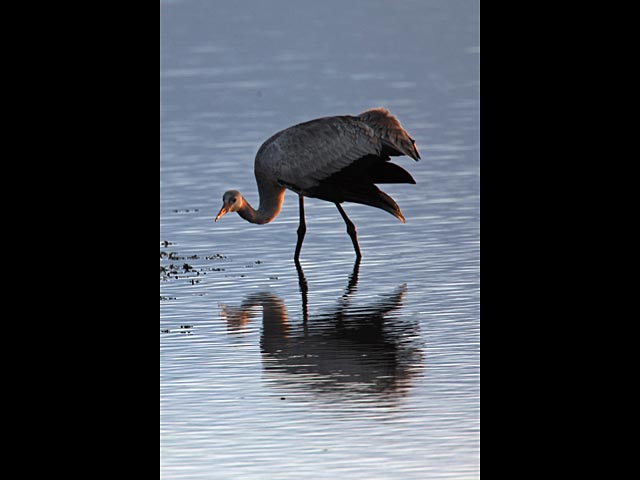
pixel 176 266
pixel 184 329
pixel 191 268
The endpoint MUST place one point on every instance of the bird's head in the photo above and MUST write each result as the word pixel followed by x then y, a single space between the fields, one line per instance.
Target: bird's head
pixel 232 201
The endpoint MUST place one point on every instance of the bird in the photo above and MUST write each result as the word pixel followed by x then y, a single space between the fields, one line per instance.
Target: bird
pixel 337 159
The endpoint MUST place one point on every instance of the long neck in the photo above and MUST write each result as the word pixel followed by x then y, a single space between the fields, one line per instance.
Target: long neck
pixel 271 199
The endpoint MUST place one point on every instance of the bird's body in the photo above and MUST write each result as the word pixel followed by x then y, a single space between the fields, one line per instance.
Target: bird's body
pixel 337 159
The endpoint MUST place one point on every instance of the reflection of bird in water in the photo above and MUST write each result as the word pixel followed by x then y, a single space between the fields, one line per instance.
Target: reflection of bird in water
pixel 337 159
pixel 352 349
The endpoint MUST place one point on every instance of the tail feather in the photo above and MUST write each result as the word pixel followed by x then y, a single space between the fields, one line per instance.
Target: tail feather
pixel 369 194
pixel 387 172
pixel 371 169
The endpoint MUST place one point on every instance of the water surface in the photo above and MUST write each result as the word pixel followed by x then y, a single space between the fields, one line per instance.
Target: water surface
pixel 337 370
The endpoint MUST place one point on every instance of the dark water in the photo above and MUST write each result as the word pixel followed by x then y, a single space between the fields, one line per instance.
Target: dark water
pixel 366 371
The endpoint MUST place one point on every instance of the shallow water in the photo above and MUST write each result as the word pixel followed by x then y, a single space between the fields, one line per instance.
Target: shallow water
pixel 339 370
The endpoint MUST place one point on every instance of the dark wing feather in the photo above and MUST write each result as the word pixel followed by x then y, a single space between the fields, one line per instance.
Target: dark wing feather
pixel 356 183
pixel 363 193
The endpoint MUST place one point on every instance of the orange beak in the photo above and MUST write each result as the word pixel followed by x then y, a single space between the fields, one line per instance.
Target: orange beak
pixel 223 211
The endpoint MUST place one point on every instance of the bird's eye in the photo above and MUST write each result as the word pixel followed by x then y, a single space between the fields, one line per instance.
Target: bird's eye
pixel 233 200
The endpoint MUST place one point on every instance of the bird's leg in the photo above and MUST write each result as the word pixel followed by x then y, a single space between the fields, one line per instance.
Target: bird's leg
pixel 304 291
pixel 351 230
pixel 353 278
pixel 302 229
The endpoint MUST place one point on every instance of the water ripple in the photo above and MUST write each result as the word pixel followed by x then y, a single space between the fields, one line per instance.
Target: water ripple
pixel 334 370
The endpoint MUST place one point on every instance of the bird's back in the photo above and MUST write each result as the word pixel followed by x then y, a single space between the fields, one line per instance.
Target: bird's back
pixel 308 152
pixel 339 158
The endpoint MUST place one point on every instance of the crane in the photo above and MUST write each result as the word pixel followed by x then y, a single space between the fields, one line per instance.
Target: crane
pixel 337 159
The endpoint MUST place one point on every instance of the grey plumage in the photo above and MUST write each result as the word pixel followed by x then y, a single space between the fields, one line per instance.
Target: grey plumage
pixel 338 159
pixel 307 153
